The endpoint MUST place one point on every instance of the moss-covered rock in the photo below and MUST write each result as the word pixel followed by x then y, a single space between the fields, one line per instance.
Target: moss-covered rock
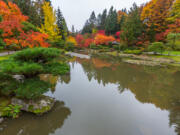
pixel 38 106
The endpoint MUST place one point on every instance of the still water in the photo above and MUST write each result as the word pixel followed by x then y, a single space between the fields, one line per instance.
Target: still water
pixel 103 96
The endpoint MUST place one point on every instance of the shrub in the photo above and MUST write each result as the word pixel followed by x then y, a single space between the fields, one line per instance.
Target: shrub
pixel 174 41
pixel 57 68
pixel 58 43
pixel 69 46
pixel 18 68
pixel 157 47
pixel 37 55
pixel 102 39
pixel 8 84
pixel 31 62
pixel 32 88
pixel 29 27
pixel 137 52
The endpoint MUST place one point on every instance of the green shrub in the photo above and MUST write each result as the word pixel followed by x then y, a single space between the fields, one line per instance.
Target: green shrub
pixel 93 46
pixel 137 52
pixel 8 84
pixel 28 27
pixel 69 46
pixel 58 43
pixel 57 68
pixel 11 111
pixel 30 63
pixel 21 68
pixel 32 88
pixel 157 47
pixel 37 55
pixel 174 41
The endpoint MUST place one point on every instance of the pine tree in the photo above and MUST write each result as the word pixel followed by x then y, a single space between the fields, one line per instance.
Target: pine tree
pixel 111 26
pixel 133 27
pixel 103 20
pixel 61 23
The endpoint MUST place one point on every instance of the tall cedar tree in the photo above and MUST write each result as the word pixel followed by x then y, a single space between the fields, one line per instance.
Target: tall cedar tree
pixel 90 24
pixel 111 26
pixel 61 23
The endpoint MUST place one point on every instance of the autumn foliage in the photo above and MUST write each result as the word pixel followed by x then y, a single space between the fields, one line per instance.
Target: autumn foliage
pixel 103 40
pixel 13 33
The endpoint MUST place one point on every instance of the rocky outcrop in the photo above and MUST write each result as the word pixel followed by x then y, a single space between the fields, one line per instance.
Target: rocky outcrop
pixel 38 106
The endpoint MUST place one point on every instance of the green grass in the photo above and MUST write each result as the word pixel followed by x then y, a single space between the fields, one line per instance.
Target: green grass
pixel 175 58
pixel 172 52
pixel 4 57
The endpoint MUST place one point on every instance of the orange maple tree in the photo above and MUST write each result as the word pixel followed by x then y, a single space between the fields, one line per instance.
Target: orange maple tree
pixel 103 40
pixel 13 33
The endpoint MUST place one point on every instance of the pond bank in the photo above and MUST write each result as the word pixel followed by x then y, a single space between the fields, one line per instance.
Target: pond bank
pixel 143 59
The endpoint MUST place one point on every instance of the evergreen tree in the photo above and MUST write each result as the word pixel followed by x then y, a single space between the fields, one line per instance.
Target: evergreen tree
pixel 61 23
pixel 90 24
pixel 31 9
pixel 92 19
pixel 103 20
pixel 133 27
pixel 87 28
pixel 111 26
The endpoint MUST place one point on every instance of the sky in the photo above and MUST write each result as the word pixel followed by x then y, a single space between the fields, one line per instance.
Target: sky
pixel 76 12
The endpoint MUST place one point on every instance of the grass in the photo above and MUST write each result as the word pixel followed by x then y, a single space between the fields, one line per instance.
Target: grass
pixel 4 57
pixel 175 58
pixel 171 52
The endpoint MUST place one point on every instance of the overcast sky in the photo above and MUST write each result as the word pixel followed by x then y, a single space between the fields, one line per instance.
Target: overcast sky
pixel 76 12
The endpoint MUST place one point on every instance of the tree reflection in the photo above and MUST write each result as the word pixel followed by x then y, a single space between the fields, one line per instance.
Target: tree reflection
pixel 158 86
pixel 29 124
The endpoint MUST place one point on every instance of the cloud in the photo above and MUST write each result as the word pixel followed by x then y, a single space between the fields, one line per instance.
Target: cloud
pixel 76 12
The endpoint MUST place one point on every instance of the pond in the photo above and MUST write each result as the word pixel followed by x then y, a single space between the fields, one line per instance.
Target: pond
pixel 103 96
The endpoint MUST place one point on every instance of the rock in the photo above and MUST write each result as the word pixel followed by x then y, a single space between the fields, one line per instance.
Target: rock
pixel 38 106
pixel 1 120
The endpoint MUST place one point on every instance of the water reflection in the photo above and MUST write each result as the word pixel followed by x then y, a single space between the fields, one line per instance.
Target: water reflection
pixel 29 124
pixel 107 97
pixel 149 85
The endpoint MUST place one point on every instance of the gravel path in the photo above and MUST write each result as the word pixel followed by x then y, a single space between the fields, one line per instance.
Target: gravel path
pixel 6 53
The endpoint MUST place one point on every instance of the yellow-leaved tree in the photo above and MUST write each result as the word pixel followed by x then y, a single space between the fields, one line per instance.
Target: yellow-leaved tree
pixel 175 12
pixel 49 27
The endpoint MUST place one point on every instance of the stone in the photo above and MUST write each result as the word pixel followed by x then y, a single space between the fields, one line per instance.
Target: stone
pixel 1 120
pixel 38 106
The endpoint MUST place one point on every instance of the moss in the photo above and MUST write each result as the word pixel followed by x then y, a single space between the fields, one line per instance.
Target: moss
pixel 31 108
pixel 42 110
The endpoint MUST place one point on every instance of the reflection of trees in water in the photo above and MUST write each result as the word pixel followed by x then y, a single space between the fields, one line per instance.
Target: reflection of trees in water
pixel 53 80
pixel 29 124
pixel 149 85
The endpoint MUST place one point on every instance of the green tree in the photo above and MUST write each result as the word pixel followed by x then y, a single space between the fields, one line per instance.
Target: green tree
pixel 90 24
pixel 111 25
pixel 32 9
pixel 133 27
pixel 61 23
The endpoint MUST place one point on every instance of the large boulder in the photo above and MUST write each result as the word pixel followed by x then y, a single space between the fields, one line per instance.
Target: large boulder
pixel 38 106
